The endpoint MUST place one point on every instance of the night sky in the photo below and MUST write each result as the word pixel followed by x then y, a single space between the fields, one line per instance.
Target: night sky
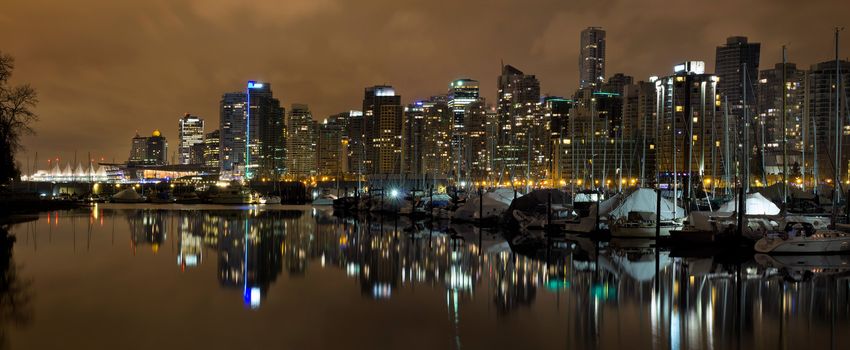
pixel 105 69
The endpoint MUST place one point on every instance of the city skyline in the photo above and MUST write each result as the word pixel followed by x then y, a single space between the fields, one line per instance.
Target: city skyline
pixel 99 79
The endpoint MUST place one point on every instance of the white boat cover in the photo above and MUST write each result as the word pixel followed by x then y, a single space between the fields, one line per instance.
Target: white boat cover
pixel 496 202
pixel 756 205
pixel 642 200
pixel 127 194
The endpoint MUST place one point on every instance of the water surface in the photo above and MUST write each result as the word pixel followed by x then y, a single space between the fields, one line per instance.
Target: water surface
pixel 215 277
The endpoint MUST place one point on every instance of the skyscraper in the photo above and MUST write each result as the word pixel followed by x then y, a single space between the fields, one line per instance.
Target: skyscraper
pixel 413 140
pixel 520 119
pixel 476 158
pixel 332 148
pixel 691 135
pixel 382 123
pixel 729 62
pixel 212 142
pixel 190 131
pixel 356 143
pixel 591 62
pixel 435 153
pixel 617 82
pixel 770 90
pixel 557 111
pixel 301 142
pixel 252 120
pixel 638 126
pixel 462 93
pixel 595 124
pixel 820 119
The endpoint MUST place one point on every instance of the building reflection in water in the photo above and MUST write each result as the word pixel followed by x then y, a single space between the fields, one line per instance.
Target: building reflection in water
pixel 604 291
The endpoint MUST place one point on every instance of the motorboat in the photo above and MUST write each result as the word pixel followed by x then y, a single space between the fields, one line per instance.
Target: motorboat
pixel 128 195
pixel 269 199
pixel 188 198
pixel 345 203
pixel 231 195
pixel 324 199
pixel 803 239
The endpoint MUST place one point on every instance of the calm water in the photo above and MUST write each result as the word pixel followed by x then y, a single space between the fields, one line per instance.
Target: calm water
pixel 142 277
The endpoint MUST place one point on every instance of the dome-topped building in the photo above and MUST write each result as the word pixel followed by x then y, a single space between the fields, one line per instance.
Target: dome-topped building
pixel 152 150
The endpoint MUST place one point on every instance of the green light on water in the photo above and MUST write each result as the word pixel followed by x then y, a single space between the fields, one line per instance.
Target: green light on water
pixel 554 285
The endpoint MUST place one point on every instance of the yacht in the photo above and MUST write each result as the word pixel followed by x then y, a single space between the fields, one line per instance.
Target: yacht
pixel 269 199
pixel 325 199
pixel 188 198
pixel 231 195
pixel 800 239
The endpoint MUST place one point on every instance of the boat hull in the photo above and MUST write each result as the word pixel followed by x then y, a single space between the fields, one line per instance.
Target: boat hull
pixel 230 200
pixel 803 245
pixel 641 231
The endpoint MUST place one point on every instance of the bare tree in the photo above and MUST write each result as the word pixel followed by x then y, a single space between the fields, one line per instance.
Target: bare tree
pixel 16 118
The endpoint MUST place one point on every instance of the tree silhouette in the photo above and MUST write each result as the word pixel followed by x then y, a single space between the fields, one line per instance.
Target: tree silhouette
pixel 16 118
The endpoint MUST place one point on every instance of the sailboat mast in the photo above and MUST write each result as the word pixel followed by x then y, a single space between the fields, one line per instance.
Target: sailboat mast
pixel 727 159
pixel 673 147
pixel 784 126
pixel 836 171
pixel 643 152
pixel 592 140
pixel 746 151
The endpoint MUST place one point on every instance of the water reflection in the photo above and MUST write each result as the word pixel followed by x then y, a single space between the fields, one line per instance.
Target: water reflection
pixel 577 292
pixel 15 291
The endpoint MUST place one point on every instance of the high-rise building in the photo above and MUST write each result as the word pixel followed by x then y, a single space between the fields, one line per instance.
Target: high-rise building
pixel 382 123
pixel 332 147
pixel 430 147
pixel 212 142
pixel 691 135
pixel 520 126
pixel 356 143
pixel 300 142
pixel 190 131
pixel 252 120
pixel 591 62
pixel 476 157
pixel 413 140
pixel 595 126
pixel 819 120
pixel 771 87
pixel 617 82
pixel 462 93
pixel 150 150
pixel 729 63
pixel 638 128
pixel 557 111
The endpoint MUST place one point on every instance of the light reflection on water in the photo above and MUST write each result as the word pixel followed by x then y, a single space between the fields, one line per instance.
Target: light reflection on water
pixel 390 283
